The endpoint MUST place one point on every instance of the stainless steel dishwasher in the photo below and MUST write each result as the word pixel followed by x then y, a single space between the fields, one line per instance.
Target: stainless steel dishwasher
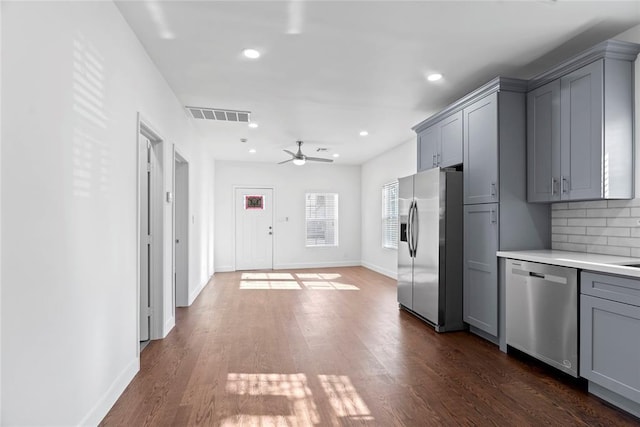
pixel 542 312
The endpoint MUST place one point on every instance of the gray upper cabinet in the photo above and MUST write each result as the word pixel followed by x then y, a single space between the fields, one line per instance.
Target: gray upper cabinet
pixel 481 151
pixel 450 140
pixel 580 127
pixel 543 143
pixel 440 144
pixel 428 140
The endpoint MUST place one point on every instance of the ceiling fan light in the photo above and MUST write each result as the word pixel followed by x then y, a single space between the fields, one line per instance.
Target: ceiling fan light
pixel 299 162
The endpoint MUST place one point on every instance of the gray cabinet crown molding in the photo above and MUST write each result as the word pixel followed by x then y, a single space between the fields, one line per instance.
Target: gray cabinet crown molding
pixel 610 49
pixel 498 84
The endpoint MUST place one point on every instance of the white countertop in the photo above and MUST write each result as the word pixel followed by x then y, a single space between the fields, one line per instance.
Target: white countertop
pixel 593 262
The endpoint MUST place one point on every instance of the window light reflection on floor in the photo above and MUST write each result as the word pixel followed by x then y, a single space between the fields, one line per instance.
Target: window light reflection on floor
pixel 301 409
pixel 292 387
pixel 269 284
pixel 344 399
pixel 288 281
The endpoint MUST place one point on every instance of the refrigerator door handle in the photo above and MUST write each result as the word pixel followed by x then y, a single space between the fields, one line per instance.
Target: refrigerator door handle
pixel 415 228
pixel 409 230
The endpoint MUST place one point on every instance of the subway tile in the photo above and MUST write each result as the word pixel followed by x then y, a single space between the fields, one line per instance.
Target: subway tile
pixel 589 240
pixel 608 231
pixel 568 247
pixel 624 241
pixel 587 205
pixel 635 252
pixel 635 212
pixel 568 230
pixel 608 213
pixel 589 222
pixel 622 222
pixel 635 232
pixel 569 213
pixel 609 250
pixel 559 221
pixel 623 203
pixel 559 237
pixel 555 206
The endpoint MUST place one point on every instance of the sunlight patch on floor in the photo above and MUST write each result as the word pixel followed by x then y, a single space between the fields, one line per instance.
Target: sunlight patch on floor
pixel 294 281
pixel 301 409
pixel 269 284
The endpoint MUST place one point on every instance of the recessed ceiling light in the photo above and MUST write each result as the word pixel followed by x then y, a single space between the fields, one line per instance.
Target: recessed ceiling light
pixel 364 133
pixel 336 155
pixel 434 77
pixel 253 150
pixel 251 53
pixel 253 125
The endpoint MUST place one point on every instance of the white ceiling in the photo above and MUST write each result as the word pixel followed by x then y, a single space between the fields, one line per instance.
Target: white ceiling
pixel 332 68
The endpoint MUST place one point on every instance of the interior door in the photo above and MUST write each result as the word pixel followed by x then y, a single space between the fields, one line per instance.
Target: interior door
pixel 145 157
pixel 254 228
pixel 181 227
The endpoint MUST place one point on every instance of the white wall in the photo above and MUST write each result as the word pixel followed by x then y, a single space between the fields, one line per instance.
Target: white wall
pixel 290 183
pixel 398 162
pixel 74 77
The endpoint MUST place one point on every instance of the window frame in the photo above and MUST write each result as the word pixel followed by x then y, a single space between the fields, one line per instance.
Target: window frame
pixel 335 220
pixel 389 216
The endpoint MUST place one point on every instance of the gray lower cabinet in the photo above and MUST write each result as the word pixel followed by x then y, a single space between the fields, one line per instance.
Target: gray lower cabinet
pixel 610 337
pixel 480 306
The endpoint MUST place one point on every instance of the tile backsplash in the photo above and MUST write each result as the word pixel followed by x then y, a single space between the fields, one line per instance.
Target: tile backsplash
pixel 609 227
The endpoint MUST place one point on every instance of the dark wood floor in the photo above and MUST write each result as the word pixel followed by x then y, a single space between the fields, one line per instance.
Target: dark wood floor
pixel 330 347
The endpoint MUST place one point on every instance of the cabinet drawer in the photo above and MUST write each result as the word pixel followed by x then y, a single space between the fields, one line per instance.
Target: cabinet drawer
pixel 610 345
pixel 615 288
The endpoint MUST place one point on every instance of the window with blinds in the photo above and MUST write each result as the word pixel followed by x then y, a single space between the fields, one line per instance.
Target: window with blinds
pixel 390 215
pixel 321 212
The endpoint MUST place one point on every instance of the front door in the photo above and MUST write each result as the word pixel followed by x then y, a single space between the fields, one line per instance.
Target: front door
pixel 254 228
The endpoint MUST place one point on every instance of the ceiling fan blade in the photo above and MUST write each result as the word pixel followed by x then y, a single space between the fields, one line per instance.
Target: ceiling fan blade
pixel 319 159
pixel 285 161
pixel 289 152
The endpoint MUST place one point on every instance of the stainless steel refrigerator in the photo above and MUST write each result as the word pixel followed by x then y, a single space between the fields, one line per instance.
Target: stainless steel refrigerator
pixel 430 247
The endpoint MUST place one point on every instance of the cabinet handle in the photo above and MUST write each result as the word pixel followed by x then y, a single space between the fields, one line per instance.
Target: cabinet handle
pixel 494 216
pixel 564 184
pixel 438 161
pixel 493 189
pixel 553 186
pixel 433 161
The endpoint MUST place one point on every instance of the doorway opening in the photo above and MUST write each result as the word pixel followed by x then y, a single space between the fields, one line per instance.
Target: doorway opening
pixel 181 230
pixel 150 232
pixel 253 228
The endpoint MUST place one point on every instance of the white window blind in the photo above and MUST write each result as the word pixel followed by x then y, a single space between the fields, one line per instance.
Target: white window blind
pixel 321 211
pixel 390 215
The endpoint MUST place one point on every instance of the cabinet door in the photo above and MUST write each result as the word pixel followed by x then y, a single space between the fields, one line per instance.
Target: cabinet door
pixel 610 345
pixel 428 141
pixel 450 140
pixel 581 132
pixel 543 143
pixel 480 122
pixel 481 267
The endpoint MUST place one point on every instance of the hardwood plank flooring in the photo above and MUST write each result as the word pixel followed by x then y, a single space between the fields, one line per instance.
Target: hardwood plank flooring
pixel 330 347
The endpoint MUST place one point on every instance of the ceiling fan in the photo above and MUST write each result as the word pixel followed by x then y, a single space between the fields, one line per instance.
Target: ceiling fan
pixel 300 159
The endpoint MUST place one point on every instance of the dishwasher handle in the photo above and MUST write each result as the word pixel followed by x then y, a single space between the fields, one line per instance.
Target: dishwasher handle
pixel 538 275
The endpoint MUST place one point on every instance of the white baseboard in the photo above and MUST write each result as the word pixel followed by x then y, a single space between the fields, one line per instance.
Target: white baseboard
pixel 389 273
pixel 168 326
pixel 328 264
pixel 101 409
pixel 193 295
pixel 223 268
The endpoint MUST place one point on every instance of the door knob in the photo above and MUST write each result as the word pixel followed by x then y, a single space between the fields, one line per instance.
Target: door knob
pixel 270 233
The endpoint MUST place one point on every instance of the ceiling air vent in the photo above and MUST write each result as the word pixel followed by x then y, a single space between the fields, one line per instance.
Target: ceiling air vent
pixel 220 114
